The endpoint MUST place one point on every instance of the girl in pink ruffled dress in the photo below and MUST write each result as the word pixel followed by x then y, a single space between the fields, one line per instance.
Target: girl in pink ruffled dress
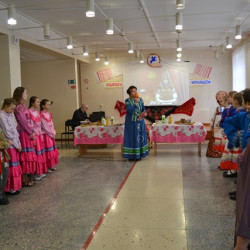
pixel 35 120
pixel 26 136
pixel 49 133
pixel 9 127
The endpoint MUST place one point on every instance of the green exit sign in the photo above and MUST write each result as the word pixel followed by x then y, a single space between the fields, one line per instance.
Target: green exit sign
pixel 71 81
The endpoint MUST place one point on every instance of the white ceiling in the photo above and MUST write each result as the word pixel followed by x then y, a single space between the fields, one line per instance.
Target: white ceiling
pixel 206 22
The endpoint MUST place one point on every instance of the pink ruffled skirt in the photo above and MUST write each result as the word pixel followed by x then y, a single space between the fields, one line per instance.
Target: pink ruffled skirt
pixel 14 182
pixel 28 156
pixel 51 151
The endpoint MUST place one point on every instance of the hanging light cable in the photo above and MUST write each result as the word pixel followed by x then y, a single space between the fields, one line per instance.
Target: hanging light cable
pixel 12 15
pixel 237 32
pixel 69 42
pixel 110 24
pixel 90 8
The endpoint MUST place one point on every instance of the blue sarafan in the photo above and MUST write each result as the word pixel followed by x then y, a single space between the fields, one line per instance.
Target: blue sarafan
pixel 135 144
pixel 237 129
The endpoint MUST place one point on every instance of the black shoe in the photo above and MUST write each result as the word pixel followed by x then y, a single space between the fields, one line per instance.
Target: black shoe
pixel 232 193
pixel 233 197
pixel 4 201
pixel 229 174
pixel 131 160
pixel 15 193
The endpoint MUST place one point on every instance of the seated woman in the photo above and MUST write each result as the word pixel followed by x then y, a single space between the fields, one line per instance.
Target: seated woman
pixel 135 144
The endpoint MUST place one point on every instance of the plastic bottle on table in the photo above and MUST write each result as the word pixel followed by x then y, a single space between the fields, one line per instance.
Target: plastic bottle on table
pixel 170 119
pixel 163 119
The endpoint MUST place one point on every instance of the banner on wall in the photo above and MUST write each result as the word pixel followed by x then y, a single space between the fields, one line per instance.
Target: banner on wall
pixel 116 82
pixel 103 75
pixel 201 76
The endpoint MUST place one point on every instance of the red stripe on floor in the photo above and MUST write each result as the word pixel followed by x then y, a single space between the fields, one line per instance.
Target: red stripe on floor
pixel 98 224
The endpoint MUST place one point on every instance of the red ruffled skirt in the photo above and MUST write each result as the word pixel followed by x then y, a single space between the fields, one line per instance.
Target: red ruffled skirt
pixel 14 182
pixel 41 166
pixel 51 151
pixel 27 155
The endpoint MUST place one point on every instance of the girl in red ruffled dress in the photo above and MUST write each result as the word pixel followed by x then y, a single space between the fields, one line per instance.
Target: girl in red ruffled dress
pixel 35 120
pixel 9 127
pixel 26 136
pixel 49 133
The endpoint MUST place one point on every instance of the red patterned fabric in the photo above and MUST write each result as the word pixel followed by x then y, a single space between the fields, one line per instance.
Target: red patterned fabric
pixel 120 106
pixel 186 108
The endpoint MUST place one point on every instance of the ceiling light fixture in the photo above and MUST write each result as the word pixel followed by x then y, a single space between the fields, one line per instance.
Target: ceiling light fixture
pixel 180 4
pixel 228 43
pixel 110 29
pixel 46 31
pixel 178 45
pixel 237 32
pixel 179 21
pixel 179 55
pixel 85 50
pixel 12 15
pixel 69 42
pixel 90 8
pixel 178 60
pixel 106 60
pixel 97 56
pixel 130 48
pixel 141 59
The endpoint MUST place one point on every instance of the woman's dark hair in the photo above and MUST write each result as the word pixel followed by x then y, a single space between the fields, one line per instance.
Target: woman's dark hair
pixel 42 103
pixel 18 93
pixel 238 98
pixel 130 89
pixel 8 101
pixel 32 100
pixel 246 95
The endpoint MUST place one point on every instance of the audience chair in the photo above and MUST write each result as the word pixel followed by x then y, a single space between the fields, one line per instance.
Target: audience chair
pixel 67 132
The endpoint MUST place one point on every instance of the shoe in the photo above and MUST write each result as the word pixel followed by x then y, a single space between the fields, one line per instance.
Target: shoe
pixel 49 170
pixel 14 193
pixel 131 159
pixel 233 197
pixel 4 201
pixel 232 193
pixel 43 175
pixel 230 174
pixel 38 177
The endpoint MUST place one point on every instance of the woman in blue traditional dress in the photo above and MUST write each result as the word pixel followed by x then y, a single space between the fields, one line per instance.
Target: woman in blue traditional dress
pixel 135 145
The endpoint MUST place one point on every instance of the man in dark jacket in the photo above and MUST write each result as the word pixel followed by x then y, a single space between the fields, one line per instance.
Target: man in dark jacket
pixel 80 115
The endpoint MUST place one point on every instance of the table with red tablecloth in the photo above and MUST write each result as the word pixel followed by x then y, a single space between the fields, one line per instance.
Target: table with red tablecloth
pixel 93 135
pixel 178 133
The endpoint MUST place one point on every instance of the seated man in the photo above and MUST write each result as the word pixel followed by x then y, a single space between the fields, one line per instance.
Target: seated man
pixel 80 115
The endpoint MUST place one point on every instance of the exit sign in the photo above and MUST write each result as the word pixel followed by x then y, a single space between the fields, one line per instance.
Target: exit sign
pixel 71 81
